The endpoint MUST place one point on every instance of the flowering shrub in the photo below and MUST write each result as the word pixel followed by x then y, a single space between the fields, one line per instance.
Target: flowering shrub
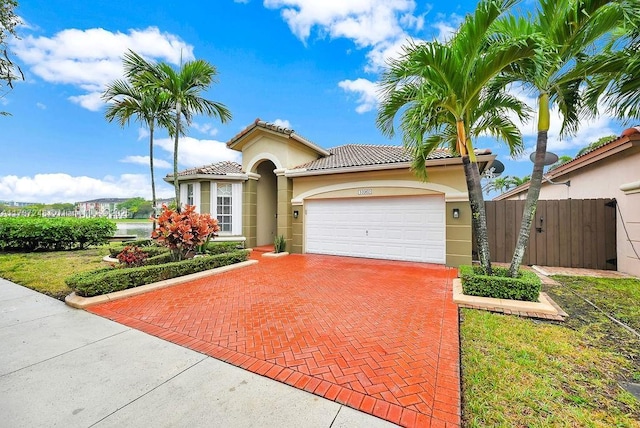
pixel 132 256
pixel 183 232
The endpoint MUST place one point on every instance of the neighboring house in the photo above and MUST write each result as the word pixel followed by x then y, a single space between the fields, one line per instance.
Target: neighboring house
pixel 609 171
pixel 352 200
pixel 104 207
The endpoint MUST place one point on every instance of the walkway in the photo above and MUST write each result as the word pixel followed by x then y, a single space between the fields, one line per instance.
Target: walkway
pixel 377 336
pixel 65 367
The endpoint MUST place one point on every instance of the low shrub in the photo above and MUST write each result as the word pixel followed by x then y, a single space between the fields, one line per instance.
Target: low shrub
pixel 279 244
pixel 49 234
pixel 150 251
pixel 132 256
pixel 108 280
pixel 219 247
pixel 185 231
pixel 159 259
pixel 499 285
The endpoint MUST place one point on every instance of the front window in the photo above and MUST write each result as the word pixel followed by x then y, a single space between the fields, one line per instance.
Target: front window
pixel 223 207
pixel 189 194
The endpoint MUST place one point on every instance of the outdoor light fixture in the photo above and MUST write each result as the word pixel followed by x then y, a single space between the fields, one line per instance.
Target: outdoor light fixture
pixel 456 213
pixel 295 214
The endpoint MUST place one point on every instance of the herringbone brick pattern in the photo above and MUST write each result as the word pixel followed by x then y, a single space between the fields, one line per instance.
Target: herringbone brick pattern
pixel 378 336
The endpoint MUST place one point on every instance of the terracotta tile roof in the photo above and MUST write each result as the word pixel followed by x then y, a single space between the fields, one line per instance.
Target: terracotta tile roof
pixel 352 155
pixel 220 168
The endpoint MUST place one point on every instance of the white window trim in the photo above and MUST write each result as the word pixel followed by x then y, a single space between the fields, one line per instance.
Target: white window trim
pixel 236 207
pixel 196 195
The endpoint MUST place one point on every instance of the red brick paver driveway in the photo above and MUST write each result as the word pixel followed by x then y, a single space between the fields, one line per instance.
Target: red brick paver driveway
pixel 378 336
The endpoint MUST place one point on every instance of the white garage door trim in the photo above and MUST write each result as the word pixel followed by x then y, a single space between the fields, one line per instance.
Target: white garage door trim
pixel 394 228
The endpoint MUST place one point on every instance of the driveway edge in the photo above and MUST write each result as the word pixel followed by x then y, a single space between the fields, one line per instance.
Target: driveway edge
pixel 78 302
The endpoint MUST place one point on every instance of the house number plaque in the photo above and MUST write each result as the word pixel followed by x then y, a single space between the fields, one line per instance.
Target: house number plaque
pixel 365 192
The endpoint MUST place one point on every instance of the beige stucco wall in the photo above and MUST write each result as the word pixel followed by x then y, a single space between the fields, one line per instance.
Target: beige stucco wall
pixel 447 180
pixel 283 152
pixel 603 180
pixel 249 210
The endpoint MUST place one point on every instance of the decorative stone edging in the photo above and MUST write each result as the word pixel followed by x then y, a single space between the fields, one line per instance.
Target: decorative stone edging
pixel 275 255
pixel 78 302
pixel 543 308
pixel 110 259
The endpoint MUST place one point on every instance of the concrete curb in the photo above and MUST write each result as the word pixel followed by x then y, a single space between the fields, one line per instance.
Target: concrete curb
pixel 542 306
pixel 78 302
pixel 275 255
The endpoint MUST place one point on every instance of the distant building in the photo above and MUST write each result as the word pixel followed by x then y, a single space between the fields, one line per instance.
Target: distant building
pixel 16 204
pixel 103 207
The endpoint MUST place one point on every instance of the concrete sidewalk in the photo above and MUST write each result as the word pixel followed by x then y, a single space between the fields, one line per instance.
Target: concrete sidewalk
pixel 65 367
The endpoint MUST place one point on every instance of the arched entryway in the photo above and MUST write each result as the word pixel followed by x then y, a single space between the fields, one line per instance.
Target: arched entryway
pixel 267 203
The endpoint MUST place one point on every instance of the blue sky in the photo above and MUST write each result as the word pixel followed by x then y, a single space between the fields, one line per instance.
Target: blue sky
pixel 307 64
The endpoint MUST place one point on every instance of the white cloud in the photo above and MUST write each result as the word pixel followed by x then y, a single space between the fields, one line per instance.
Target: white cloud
pixel 446 26
pixel 366 22
pixel 380 54
pixel 143 133
pixel 283 123
pixel 205 128
pixel 41 106
pixel 366 90
pixel 144 160
pixel 589 131
pixel 90 59
pixel 91 101
pixel 193 152
pixel 49 188
pixel 380 26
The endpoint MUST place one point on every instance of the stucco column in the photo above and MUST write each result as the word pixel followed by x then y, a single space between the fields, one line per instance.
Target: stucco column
pixel 285 193
pixel 250 211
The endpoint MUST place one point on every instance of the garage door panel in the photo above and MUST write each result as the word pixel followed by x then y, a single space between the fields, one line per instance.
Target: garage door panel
pixel 397 228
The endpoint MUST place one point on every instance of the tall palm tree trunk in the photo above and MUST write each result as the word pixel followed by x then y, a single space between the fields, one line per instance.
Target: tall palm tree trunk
pixel 478 213
pixel 534 186
pixel 176 184
pixel 153 177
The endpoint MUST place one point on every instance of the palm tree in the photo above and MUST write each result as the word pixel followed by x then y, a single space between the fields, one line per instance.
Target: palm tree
pixel 441 92
pixel 561 161
pixel 498 184
pixel 594 145
pixel 182 89
pixel 616 72
pixel 147 105
pixel 567 30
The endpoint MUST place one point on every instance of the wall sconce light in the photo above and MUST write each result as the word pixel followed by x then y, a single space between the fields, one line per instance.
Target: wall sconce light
pixel 295 214
pixel 456 213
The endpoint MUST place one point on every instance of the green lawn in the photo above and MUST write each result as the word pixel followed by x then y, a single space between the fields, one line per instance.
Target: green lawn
pixel 45 271
pixel 524 372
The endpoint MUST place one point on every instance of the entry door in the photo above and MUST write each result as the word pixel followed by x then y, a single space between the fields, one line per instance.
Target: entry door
pixel 395 228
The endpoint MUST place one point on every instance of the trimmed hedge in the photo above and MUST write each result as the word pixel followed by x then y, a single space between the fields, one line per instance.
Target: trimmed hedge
pixel 159 259
pixel 219 247
pixel 61 233
pixel 103 281
pixel 499 285
pixel 152 249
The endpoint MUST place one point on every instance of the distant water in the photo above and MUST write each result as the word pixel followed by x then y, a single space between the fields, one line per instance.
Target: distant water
pixel 141 230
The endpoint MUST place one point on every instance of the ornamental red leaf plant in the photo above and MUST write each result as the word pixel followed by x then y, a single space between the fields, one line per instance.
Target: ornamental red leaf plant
pixel 131 256
pixel 183 232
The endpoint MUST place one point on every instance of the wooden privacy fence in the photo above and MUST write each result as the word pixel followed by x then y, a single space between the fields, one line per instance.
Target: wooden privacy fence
pixel 578 233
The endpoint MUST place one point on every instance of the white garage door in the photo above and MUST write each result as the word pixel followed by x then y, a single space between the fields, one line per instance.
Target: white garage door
pixel 395 228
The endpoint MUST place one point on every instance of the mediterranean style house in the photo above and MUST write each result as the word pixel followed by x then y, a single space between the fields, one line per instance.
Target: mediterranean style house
pixel 351 200
pixel 609 171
